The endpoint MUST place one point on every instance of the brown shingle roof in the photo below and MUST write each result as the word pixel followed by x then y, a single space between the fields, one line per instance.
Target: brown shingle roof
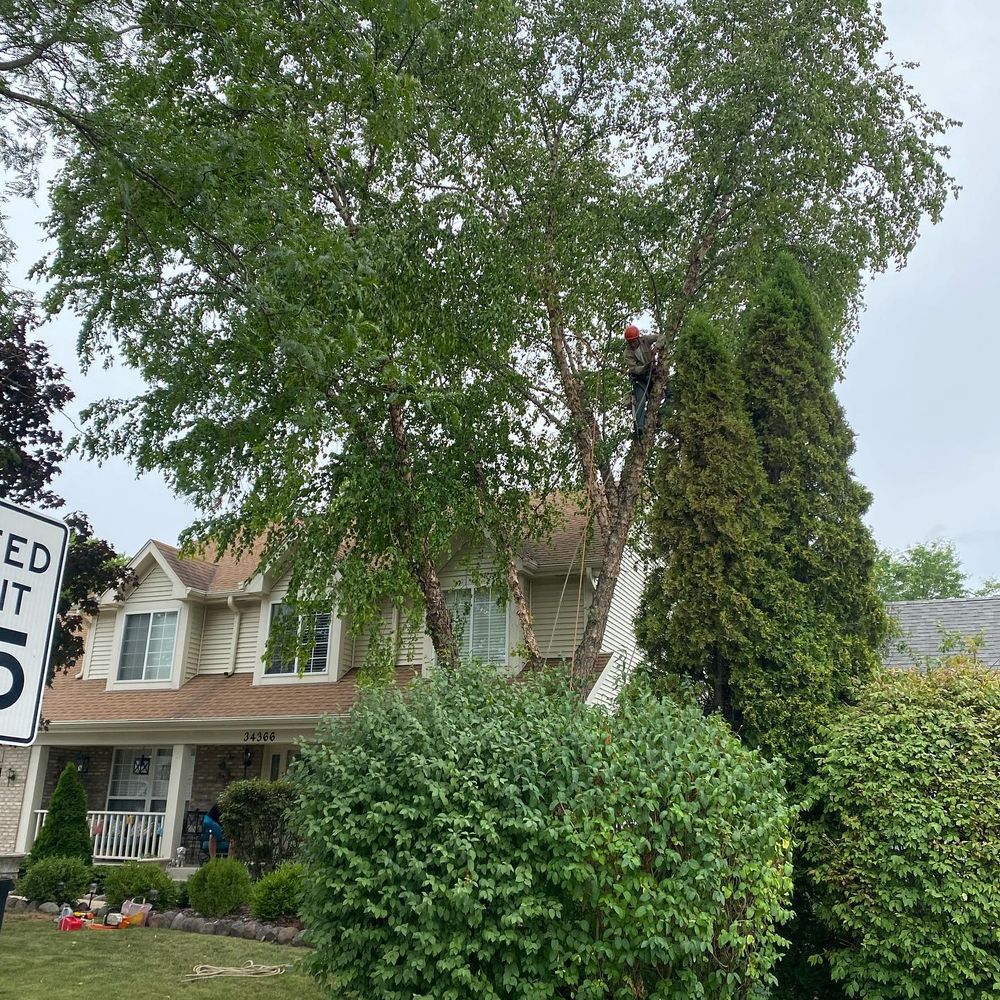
pixel 207 696
pixel 209 571
pixel 564 544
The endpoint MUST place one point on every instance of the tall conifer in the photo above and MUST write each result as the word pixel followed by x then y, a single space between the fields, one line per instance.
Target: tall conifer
pixel 65 832
pixel 708 526
pixel 806 445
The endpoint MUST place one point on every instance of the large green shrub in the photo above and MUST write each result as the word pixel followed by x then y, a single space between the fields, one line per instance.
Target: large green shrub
pixel 139 879
pixel 483 838
pixel 902 842
pixel 55 880
pixel 65 832
pixel 256 818
pixel 219 888
pixel 278 893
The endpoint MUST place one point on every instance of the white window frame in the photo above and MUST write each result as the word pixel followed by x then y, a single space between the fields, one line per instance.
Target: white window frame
pixel 176 675
pixel 471 588
pixel 327 675
pixel 153 753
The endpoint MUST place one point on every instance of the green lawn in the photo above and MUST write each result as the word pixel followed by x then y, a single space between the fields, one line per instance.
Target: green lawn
pixel 37 962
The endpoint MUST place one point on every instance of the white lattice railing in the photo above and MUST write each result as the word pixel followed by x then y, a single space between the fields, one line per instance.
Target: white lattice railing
pixel 120 836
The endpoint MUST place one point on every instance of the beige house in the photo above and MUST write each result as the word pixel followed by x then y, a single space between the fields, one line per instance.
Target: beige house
pixel 175 697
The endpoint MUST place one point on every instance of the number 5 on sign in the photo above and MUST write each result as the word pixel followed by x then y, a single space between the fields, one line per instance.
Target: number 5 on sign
pixel 32 558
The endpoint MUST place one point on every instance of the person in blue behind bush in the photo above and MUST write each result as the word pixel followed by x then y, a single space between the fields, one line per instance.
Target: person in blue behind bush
pixel 213 839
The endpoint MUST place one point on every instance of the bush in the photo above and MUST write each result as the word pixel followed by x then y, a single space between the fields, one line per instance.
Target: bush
pixel 219 888
pixel 478 837
pixel 256 817
pixel 902 839
pixel 99 874
pixel 43 878
pixel 139 879
pixel 182 900
pixel 65 832
pixel 277 894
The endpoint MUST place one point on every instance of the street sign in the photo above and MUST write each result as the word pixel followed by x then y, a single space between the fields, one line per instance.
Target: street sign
pixel 32 557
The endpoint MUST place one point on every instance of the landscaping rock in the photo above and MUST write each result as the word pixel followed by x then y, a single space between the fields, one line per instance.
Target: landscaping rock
pixel 299 941
pixel 267 932
pixel 155 920
pixel 100 912
pixel 236 929
pixel 250 928
pixel 208 927
pixel 167 917
pixel 193 924
pixel 52 908
pixel 286 935
pixel 177 924
pixel 15 904
pixel 31 906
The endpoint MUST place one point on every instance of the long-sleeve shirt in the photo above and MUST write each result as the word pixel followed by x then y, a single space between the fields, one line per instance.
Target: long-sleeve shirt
pixel 639 354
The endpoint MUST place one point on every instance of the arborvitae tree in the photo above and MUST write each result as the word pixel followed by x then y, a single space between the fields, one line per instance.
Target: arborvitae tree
pixel 806 444
pixel 701 613
pixel 65 833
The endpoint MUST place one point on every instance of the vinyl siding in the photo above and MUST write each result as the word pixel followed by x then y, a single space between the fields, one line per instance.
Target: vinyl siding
pixel 154 587
pixel 558 622
pixel 196 622
pixel 619 636
pixel 216 640
pixel 102 644
pixel 247 654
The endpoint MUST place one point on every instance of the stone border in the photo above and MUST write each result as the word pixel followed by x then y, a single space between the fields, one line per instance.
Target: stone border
pixel 180 920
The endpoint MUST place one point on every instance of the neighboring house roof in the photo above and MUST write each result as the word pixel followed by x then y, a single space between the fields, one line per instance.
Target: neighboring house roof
pixel 925 624
pixel 207 572
pixel 206 696
pixel 564 546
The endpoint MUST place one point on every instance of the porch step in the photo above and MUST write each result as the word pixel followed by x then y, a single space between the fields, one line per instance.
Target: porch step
pixel 181 874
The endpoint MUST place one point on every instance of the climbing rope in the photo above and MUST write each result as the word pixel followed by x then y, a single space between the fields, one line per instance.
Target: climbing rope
pixel 247 969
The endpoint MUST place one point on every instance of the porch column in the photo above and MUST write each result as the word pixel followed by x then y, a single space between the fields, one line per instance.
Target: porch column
pixel 178 794
pixel 34 785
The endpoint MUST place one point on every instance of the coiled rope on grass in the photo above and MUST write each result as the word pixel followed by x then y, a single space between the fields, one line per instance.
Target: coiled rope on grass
pixel 247 969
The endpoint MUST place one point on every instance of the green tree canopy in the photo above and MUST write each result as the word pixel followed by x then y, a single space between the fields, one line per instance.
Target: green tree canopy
pixel 925 571
pixel 367 257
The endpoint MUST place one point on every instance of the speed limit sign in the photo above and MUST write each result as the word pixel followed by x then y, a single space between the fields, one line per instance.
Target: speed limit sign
pixel 32 558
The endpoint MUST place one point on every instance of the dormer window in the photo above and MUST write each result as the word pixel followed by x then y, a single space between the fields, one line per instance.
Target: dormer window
pixel 317 661
pixel 148 646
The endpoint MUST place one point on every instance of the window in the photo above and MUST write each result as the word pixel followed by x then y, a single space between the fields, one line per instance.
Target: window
pixel 480 624
pixel 316 664
pixel 148 646
pixel 139 779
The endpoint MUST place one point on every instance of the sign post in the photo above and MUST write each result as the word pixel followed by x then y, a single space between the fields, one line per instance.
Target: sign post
pixel 32 559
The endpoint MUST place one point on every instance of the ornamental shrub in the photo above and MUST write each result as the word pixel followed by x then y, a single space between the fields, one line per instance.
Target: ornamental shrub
pixel 139 879
pixel 256 817
pixel 902 838
pixel 219 888
pixel 43 879
pixel 482 838
pixel 277 894
pixel 65 832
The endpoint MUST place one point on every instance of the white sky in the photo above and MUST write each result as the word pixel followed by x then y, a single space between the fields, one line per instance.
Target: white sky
pixel 919 389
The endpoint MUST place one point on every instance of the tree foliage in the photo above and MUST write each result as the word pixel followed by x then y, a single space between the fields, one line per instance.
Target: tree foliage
pixel 902 839
pixel 65 832
pixel 256 816
pixel 926 571
pixel 367 257
pixel 478 837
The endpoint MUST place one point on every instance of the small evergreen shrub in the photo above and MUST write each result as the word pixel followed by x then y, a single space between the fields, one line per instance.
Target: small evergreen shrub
pixel 65 832
pixel 99 874
pixel 256 817
pixel 182 901
pixel 277 894
pixel 41 882
pixel 137 879
pixel 478 837
pixel 902 839
pixel 219 888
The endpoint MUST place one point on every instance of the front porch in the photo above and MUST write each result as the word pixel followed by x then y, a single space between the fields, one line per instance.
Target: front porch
pixel 145 801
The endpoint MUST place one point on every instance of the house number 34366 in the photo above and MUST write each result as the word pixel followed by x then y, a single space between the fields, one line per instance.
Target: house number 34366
pixel 258 736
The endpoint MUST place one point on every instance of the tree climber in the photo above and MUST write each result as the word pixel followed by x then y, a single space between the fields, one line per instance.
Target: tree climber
pixel 640 360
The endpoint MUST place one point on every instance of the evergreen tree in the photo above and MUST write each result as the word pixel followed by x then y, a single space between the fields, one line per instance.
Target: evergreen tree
pixel 806 446
pixel 65 833
pixel 701 612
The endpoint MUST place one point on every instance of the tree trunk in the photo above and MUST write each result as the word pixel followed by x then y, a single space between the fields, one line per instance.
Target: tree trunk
pixel 534 658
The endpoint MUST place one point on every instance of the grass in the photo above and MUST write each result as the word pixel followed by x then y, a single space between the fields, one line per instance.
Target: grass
pixel 40 963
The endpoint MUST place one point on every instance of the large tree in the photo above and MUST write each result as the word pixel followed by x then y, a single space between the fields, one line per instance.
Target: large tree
pixel 926 571
pixel 367 257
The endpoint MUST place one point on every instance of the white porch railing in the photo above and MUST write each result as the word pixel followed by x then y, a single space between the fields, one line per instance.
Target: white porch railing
pixel 120 836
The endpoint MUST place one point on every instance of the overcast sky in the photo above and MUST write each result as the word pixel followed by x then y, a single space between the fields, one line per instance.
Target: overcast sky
pixel 920 389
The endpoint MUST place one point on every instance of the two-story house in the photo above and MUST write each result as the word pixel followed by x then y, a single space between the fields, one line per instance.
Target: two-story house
pixel 175 697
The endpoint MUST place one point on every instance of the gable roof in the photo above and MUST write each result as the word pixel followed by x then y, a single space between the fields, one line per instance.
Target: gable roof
pixel 210 572
pixel 924 624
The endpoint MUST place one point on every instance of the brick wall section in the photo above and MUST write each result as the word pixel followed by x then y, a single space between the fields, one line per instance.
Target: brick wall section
pixel 11 794
pixel 95 779
pixel 208 780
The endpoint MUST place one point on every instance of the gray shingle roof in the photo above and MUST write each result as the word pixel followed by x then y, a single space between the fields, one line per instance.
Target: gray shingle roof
pixel 924 625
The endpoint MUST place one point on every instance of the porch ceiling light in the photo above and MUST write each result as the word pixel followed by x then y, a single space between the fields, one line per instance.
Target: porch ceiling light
pixel 141 765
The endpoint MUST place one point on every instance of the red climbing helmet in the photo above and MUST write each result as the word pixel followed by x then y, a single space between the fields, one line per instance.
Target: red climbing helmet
pixel 631 331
